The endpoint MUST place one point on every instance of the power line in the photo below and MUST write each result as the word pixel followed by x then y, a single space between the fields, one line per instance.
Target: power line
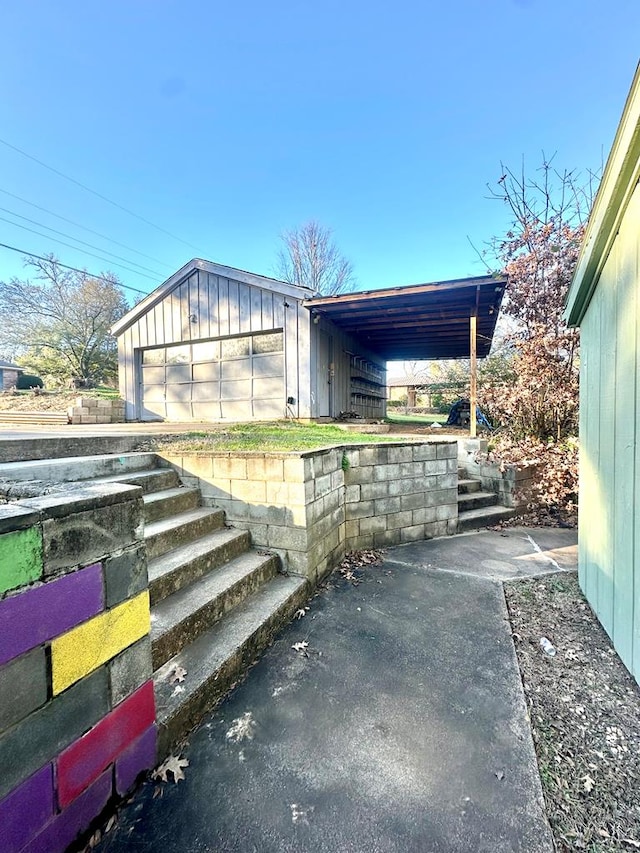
pixel 77 240
pixel 84 228
pixel 75 248
pixel 97 194
pixel 73 269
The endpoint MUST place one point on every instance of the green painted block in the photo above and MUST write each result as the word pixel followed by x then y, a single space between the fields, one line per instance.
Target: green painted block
pixel 20 558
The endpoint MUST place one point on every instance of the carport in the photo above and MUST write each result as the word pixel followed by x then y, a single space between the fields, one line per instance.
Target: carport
pixel 438 320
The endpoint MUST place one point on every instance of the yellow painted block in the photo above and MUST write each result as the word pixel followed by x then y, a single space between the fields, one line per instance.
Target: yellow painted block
pixel 85 648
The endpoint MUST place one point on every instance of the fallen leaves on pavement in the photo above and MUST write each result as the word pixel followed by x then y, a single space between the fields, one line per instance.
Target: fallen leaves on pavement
pixel 174 765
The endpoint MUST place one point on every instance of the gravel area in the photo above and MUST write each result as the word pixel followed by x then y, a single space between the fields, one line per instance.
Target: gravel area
pixel 585 716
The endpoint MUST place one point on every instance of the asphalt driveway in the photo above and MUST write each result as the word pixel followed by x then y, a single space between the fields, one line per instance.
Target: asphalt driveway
pixel 401 726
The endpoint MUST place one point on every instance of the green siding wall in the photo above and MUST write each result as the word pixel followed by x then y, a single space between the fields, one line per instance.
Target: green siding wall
pixel 609 440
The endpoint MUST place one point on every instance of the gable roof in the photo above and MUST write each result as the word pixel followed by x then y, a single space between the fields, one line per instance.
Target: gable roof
pixel 621 174
pixel 9 365
pixel 157 295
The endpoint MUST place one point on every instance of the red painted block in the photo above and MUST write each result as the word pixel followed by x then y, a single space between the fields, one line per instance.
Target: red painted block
pixel 82 762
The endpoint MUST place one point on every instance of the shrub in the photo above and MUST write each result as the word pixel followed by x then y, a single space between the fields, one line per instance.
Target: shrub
pixel 27 380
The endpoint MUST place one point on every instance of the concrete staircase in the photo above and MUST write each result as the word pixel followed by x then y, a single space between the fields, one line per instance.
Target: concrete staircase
pixel 477 508
pixel 215 602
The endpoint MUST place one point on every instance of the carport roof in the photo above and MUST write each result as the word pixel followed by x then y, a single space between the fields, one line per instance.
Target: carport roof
pixel 419 321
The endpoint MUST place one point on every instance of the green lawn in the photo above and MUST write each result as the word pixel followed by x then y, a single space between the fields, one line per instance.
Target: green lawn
pixel 418 420
pixel 274 436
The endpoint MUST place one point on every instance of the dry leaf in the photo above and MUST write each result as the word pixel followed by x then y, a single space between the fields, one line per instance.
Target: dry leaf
pixel 242 728
pixel 177 674
pixel 588 783
pixel 299 614
pixel 177 690
pixel 500 775
pixel 110 824
pixel 633 843
pixel 302 647
pixel 172 765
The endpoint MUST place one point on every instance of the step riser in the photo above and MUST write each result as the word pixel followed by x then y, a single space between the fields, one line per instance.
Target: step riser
pixel 163 586
pixel 173 641
pixel 157 510
pixel 160 543
pixel 72 469
pixel 472 502
pixel 478 523
pixel 467 487
pixel 161 479
pixel 212 691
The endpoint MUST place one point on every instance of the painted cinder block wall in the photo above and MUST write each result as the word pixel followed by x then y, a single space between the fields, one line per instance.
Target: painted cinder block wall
pixel 77 715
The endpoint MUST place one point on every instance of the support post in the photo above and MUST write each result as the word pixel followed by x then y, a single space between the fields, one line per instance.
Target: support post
pixel 473 396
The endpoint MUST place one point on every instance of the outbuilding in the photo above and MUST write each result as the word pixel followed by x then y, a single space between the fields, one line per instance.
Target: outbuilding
pixel 214 343
pixel 604 300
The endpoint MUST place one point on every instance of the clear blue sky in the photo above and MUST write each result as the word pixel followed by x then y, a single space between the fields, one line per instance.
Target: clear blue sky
pixel 227 123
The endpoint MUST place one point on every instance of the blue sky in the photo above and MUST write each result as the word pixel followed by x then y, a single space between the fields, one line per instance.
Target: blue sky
pixel 225 124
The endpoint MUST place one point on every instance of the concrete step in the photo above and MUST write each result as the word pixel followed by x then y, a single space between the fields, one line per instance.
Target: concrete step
pixel 180 566
pixel 72 468
pixel 466 485
pixel 57 418
pixel 476 500
pixel 475 519
pixel 180 618
pixel 167 502
pixel 219 657
pixel 162 536
pixel 152 480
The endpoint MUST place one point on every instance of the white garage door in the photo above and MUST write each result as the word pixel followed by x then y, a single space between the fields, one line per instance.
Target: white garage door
pixel 236 379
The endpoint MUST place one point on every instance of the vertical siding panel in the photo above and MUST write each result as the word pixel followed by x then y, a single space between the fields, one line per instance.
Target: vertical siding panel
pixel 625 382
pixel 267 309
pixel 256 309
pixel 636 468
pixel 278 312
pixel 203 305
pixel 591 516
pixel 301 371
pixel 158 321
pixel 234 308
pixel 245 308
pixel 607 390
pixel 167 321
pixel 176 316
pixel 213 285
pixel 182 298
pixel 194 305
pixel 223 305
pixel 142 325
pixel 133 373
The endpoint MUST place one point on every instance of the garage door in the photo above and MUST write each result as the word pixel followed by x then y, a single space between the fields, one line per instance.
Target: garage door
pixel 236 379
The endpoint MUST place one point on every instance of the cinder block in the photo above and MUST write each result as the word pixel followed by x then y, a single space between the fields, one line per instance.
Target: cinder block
pixel 401 454
pixel 386 472
pixel 374 524
pixel 337 479
pixel 229 468
pixel 76 419
pixel 414 501
pixel 360 510
pixel 89 419
pixel 36 740
pixel 353 457
pixel 103 419
pixel 21 559
pixel 361 474
pixel 83 649
pixel 352 493
pixel 23 688
pixel 399 519
pixel 330 461
pixel 90 402
pixel 217 488
pixel 287 537
pixel 333 499
pixel 84 537
pixel 136 758
pixel 323 485
pixel 424 452
pixel 250 491
pixel 374 455
pixel 265 514
pixel 423 515
pixel 352 528
pixel 297 493
pixel 294 469
pixel 198 465
pixel 65 827
pixel 411 469
pixel 446 511
pixel 83 761
pixel 130 670
pixel 388 537
pixel 440 528
pixel 26 810
pixel 383 506
pixel 412 534
pixel 125 575
pixel 374 491
pixel 105 404
pixel 447 450
pixel 41 613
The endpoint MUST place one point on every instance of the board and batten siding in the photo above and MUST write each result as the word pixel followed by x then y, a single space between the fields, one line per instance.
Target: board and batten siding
pixel 207 306
pixel 609 510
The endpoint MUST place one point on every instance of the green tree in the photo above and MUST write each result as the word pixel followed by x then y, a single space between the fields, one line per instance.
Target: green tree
pixel 59 323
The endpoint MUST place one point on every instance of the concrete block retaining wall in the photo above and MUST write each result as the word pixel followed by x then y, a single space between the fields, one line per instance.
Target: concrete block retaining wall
pixel 313 507
pixel 77 716
pixel 513 484
pixel 90 410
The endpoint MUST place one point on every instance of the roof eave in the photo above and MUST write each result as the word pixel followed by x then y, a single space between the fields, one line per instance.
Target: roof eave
pixel 621 174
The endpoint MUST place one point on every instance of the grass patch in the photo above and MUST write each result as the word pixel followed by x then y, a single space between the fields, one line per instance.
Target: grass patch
pixel 418 420
pixel 274 436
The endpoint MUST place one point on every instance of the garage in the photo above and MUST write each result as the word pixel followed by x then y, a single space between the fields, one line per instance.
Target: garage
pixel 236 378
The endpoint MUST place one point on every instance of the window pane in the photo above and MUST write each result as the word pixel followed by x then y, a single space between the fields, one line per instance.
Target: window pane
pixel 153 356
pixel 178 355
pixel 234 347
pixel 268 343
pixel 206 351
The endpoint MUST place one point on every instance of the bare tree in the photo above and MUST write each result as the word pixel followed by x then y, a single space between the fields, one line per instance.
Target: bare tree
pixel 60 322
pixel 310 258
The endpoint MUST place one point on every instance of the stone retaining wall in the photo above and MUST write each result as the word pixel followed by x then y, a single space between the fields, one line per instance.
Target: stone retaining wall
pixel 313 507
pixel 77 716
pixel 91 410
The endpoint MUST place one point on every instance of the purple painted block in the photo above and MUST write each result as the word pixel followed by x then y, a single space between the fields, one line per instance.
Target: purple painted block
pixel 41 613
pixel 25 810
pixel 139 756
pixel 65 827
